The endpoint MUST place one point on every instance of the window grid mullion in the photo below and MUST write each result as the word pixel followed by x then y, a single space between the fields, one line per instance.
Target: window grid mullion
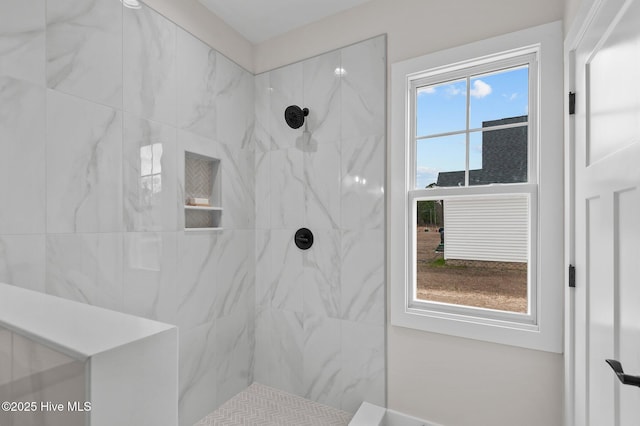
pixel 413 108
pixel 474 130
pixel 467 137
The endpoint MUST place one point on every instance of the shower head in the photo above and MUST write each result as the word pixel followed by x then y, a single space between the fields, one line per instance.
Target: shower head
pixel 294 116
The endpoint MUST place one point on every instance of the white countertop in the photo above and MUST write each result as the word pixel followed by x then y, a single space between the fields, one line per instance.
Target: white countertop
pixel 78 329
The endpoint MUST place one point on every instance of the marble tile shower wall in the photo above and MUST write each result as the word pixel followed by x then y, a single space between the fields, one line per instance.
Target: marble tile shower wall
pixel 320 313
pixel 97 105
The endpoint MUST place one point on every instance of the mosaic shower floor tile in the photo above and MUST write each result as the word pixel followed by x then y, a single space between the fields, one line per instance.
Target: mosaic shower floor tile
pixel 260 405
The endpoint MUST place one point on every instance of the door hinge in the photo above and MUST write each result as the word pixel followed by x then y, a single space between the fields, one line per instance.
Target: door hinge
pixel 572 276
pixel 572 103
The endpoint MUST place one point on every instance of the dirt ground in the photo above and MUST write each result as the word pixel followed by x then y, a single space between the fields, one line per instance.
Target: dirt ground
pixel 471 285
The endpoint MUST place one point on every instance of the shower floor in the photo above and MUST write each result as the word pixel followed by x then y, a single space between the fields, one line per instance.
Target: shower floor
pixel 265 406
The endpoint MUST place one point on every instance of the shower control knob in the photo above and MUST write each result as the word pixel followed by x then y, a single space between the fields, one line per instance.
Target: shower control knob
pixel 303 238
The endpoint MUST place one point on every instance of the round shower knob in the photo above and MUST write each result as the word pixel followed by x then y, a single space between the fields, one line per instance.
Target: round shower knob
pixel 303 238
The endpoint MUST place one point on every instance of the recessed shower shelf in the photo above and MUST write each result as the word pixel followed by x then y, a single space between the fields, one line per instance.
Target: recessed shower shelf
pixel 203 209
pixel 202 229
pixel 188 207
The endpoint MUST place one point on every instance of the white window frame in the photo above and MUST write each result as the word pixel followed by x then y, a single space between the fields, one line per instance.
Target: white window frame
pixel 542 327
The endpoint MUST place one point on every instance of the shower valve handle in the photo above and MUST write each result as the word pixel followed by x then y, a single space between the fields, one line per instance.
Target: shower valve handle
pixel 303 238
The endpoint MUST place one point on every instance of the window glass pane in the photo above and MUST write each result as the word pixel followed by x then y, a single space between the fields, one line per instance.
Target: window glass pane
pixel 498 96
pixel 441 108
pixel 504 156
pixel 473 251
pixel 441 161
pixel 475 154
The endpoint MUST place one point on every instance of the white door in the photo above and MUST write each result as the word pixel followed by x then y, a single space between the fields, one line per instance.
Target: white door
pixel 605 322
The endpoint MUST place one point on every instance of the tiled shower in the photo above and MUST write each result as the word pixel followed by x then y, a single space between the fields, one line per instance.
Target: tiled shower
pixel 98 104
pixel 320 313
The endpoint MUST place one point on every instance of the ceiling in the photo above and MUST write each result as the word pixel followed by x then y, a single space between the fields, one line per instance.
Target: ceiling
pixel 260 20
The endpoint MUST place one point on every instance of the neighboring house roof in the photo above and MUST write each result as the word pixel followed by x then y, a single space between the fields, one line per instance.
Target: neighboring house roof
pixel 504 156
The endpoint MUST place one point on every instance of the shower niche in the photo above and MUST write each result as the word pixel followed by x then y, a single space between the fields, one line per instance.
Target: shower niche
pixel 202 193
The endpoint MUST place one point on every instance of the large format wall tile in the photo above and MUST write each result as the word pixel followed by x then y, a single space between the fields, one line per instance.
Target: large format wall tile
pixel 363 181
pixel 236 272
pixel 234 354
pixel 86 268
pixel 263 289
pixel 238 186
pixel 6 355
pixel 364 88
pixel 265 367
pixel 234 104
pixel 322 187
pixel 262 189
pixel 287 184
pixel 288 344
pixel 22 40
pixel 262 111
pixel 31 358
pixel 196 292
pixel 363 365
pixel 197 73
pixel 192 142
pixel 363 276
pixel 287 272
pixel 321 279
pixel 22 157
pixel 322 360
pixel 43 374
pixel 6 350
pixel 84 49
pixel 197 374
pixel 150 275
pixel 322 95
pixel 286 88
pixel 149 64
pixel 150 176
pixel 84 166
pixel 22 261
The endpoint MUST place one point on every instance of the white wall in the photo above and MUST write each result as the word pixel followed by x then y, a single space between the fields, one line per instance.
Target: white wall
pixel 460 382
pixel 571 8
pixel 414 27
pixel 208 27
pixel 448 380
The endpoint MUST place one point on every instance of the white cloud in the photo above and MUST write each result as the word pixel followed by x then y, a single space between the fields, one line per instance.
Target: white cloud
pixel 480 89
pixel 511 97
pixel 426 169
pixel 426 176
pixel 426 90
pixel 453 90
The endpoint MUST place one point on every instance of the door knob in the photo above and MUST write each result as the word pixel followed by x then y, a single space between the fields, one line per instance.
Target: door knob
pixel 624 378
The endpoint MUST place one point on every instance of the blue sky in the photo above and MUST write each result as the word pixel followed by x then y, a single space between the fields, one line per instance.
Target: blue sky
pixel 442 108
